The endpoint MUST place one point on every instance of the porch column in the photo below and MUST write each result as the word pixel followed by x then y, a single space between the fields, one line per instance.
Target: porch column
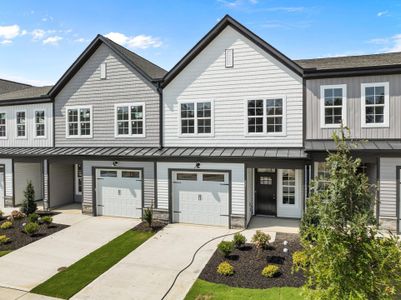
pixel 46 203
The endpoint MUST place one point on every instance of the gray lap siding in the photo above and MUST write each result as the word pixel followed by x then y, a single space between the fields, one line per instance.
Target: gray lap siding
pixel 123 85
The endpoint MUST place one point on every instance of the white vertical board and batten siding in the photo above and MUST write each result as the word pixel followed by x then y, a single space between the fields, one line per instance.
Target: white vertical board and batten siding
pixel 148 177
pixel 122 85
pixel 313 102
pixel 255 75
pixel 30 130
pixel 237 182
pixel 8 173
pixel 388 186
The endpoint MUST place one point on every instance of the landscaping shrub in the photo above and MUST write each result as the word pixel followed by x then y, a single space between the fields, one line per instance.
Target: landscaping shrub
pixel 299 259
pixel 46 220
pixel 148 216
pixel 16 215
pixel 225 269
pixel 1 214
pixel 33 218
pixel 239 240
pixel 31 228
pixel 270 271
pixel 29 205
pixel 4 239
pixel 6 225
pixel 225 248
pixel 347 257
pixel 261 239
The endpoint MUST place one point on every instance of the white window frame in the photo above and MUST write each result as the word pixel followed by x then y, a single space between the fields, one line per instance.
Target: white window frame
pixel 78 136
pixel 77 192
pixel 343 106
pixel 5 126
pixel 116 106
pixel 386 109
pixel 26 124
pixel 34 124
pixel 196 134
pixel 264 132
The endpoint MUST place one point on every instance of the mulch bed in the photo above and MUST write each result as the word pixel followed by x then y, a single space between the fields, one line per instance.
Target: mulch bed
pixel 20 239
pixel 248 264
pixel 156 226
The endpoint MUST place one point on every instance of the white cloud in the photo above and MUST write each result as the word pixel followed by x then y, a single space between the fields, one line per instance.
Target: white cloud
pixel 38 34
pixel 136 42
pixel 9 32
pixel 236 3
pixel 52 40
pixel 6 42
pixel 389 44
pixel 382 13
pixel 395 43
pixel 80 40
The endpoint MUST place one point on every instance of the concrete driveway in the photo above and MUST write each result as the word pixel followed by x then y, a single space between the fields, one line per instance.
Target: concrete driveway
pixel 147 272
pixel 27 267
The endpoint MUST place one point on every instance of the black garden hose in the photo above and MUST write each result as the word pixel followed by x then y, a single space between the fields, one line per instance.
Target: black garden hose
pixel 193 259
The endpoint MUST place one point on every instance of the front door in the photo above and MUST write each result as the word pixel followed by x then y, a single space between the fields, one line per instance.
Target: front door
pixel 265 194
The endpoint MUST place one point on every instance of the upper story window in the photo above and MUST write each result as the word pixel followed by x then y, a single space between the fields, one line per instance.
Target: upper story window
pixel 375 104
pixel 79 121
pixel 196 117
pixel 130 120
pixel 266 116
pixel 333 108
pixel 21 123
pixel 3 125
pixel 40 123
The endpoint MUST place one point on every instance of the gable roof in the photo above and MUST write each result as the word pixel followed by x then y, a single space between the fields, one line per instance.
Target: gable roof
pixel 7 86
pixel 147 69
pixel 214 32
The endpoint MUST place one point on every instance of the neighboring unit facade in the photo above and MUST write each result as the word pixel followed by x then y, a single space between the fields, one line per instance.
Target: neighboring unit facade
pixel 235 129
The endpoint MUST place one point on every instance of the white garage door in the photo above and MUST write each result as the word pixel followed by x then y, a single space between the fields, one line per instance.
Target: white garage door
pixel 119 192
pixel 200 198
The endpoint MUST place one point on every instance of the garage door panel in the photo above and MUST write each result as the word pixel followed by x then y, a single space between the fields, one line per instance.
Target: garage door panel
pixel 119 193
pixel 200 201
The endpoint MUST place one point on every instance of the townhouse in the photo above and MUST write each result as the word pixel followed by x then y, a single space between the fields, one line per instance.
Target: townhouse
pixel 234 129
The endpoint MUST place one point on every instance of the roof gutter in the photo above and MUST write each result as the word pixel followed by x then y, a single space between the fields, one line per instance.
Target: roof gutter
pixel 33 100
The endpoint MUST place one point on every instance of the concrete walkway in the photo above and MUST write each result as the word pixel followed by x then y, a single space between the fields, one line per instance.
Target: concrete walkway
pixel 27 267
pixel 148 271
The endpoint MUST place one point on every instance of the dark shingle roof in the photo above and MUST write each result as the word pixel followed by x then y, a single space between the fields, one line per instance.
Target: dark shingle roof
pixel 27 93
pixel 7 86
pixel 356 61
pixel 146 66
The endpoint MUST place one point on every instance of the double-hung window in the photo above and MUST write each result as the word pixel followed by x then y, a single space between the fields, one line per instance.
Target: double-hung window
pixel 266 116
pixel 79 121
pixel 333 107
pixel 196 118
pixel 375 104
pixel 130 119
pixel 3 125
pixel 40 123
pixel 21 124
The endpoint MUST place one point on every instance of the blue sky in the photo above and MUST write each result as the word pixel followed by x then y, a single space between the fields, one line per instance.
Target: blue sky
pixel 39 40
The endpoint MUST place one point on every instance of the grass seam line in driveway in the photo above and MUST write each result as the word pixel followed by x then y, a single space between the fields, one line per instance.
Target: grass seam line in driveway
pixel 208 290
pixel 70 281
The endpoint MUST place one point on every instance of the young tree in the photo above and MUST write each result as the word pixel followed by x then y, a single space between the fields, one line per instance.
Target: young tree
pixel 346 255
pixel 29 205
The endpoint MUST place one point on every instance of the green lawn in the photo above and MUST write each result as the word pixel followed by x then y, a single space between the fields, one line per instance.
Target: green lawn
pixel 4 252
pixel 67 283
pixel 213 291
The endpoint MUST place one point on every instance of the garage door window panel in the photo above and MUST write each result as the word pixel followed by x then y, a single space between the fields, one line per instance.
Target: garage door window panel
pixel 213 177
pixel 130 174
pixel 108 173
pixel 187 176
